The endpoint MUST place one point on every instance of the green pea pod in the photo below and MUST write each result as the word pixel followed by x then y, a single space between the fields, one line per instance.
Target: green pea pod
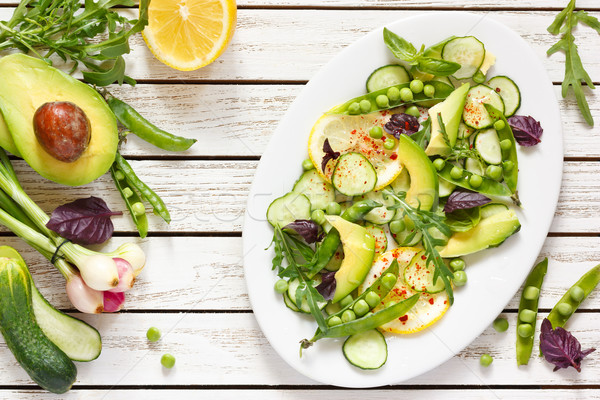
pixel 488 186
pixel 140 221
pixel 358 210
pixel 534 279
pixel 371 321
pixel 442 90
pixel 586 284
pixel 511 175
pixel 143 128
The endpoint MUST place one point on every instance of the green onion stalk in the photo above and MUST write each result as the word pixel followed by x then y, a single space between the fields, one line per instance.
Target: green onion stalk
pixel 96 281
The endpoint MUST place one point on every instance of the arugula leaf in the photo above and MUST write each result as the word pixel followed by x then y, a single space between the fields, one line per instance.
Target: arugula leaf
pixel 424 135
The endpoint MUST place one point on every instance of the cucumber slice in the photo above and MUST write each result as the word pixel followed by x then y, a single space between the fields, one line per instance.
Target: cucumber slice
pixel 354 175
pixel 289 304
pixel 380 215
pixel 402 182
pixel 366 350
pixel 475 115
pixel 293 287
pixel 466 51
pixel 288 208
pixel 410 236
pixel 488 146
pixel 319 192
pixel 509 91
pixel 464 131
pixel 332 308
pixel 378 233
pixel 386 76
pixel 488 210
pixel 419 275
pixel 474 166
pixel 445 187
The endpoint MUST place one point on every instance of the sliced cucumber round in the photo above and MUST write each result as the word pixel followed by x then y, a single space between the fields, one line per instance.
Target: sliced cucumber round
pixel 487 145
pixel 380 236
pixel 289 304
pixel 445 187
pixel 464 131
pixel 366 350
pixel 288 208
pixel 293 285
pixel 466 51
pixel 474 114
pixel 354 175
pixel 509 91
pixel 402 182
pixel 419 275
pixel 474 166
pixel 386 76
pixel 410 236
pixel 319 192
pixel 380 215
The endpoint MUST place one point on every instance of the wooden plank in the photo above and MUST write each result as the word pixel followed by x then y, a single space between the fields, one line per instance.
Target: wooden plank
pixel 230 349
pixel 240 119
pixel 276 44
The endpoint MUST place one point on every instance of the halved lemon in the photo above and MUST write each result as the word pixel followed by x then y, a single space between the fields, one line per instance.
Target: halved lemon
pixel 350 133
pixel 189 34
pixel 428 310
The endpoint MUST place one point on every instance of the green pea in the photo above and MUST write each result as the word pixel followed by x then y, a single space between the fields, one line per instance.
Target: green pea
pixel 577 294
pixel 500 324
pixel 354 108
pixel 365 106
pixel 127 192
pixel 525 330
pixel 348 316
pixel 493 172
pixel 475 181
pixel 382 101
pixel 485 360
pixel 499 125
pixel 460 278
pixel 334 208
pixel 138 208
pixel 406 95
pixel 318 216
pixel 376 132
pixel 527 316
pixel 307 165
pixel 413 110
pixel 531 293
pixel 564 309
pixel 393 93
pixel 361 307
pixel 508 165
pixel 389 280
pixel 505 144
pixel 281 286
pixel 456 173
pixel 345 302
pixel 333 321
pixel 457 264
pixel 416 86
pixel 389 144
pixel 429 90
pixel 153 334
pixel 167 361
pixel 439 164
pixel 397 226
pixel 119 175
pixel 372 299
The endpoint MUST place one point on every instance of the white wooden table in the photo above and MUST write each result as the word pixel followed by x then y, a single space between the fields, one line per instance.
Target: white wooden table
pixel 200 303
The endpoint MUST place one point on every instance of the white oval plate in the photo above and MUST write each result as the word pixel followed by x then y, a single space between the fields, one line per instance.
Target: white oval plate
pixel 495 275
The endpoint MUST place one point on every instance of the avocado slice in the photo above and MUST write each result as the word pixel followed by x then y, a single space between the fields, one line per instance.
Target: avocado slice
pixel 359 251
pixel 423 191
pixel 451 110
pixel 489 232
pixel 27 83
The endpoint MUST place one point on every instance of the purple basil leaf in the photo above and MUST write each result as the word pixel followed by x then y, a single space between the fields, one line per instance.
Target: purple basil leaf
pixel 83 221
pixel 327 285
pixel 400 124
pixel 309 230
pixel 329 154
pixel 560 347
pixel 463 199
pixel 527 130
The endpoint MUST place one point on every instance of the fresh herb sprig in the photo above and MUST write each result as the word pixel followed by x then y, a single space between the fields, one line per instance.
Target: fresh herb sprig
pixel 406 51
pixel 95 37
pixel 575 74
pixel 423 221
pixel 461 149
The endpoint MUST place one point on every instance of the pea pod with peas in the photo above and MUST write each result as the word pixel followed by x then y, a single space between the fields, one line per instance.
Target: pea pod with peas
pixel 508 145
pixel 468 180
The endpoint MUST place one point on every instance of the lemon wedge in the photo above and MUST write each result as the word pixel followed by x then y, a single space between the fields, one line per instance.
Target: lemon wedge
pixel 189 34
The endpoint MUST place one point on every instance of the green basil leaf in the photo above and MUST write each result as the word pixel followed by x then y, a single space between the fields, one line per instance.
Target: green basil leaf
pixel 399 47
pixel 437 67
pixel 463 220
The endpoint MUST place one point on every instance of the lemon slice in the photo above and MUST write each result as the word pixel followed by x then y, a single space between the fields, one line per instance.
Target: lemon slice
pixel 350 133
pixel 428 310
pixel 189 34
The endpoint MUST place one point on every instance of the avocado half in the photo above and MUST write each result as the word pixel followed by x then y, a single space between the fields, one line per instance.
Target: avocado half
pixel 26 83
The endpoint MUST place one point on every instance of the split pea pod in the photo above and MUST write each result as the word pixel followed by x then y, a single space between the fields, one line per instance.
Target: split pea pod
pixel 463 178
pixel 130 197
pixel 143 128
pixel 368 103
pixel 566 306
pixel 510 163
pixel 528 308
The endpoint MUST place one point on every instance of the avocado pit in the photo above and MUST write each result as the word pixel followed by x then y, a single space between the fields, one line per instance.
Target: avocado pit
pixel 62 129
